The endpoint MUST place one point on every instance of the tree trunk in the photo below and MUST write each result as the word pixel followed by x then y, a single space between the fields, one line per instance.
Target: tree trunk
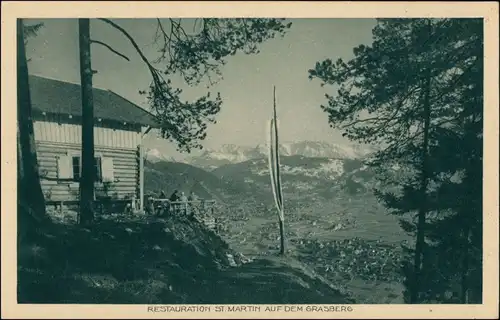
pixel 31 202
pixel 471 211
pixel 424 181
pixel 464 277
pixel 88 169
pixel 282 237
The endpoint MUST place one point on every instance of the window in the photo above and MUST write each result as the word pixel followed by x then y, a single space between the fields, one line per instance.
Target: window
pixel 69 168
pixel 98 169
pixel 77 168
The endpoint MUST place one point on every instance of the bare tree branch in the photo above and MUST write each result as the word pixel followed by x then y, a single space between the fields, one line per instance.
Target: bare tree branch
pixel 158 80
pixel 167 42
pixel 194 56
pixel 110 49
pixel 152 69
pixel 132 41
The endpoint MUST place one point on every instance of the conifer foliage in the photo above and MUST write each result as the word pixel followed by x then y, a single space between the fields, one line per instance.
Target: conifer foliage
pixel 196 51
pixel 417 92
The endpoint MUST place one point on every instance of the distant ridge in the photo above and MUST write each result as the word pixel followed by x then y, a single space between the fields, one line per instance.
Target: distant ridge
pixel 210 159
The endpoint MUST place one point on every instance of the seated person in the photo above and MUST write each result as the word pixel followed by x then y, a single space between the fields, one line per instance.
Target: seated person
pixel 174 207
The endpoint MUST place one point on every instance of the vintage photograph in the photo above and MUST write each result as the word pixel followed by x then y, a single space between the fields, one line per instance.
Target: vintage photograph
pixel 325 161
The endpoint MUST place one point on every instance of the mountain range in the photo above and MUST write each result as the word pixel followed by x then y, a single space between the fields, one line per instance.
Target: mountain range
pixel 311 172
pixel 211 159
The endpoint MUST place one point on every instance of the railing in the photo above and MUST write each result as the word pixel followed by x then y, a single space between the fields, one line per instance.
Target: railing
pixel 202 210
pixel 203 206
pixel 101 206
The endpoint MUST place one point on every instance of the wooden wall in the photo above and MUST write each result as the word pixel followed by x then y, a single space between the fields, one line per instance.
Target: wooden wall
pixel 55 140
pixel 125 171
pixel 48 131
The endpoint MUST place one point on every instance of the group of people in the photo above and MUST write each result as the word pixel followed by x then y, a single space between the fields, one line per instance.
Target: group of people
pixel 179 203
pixel 180 196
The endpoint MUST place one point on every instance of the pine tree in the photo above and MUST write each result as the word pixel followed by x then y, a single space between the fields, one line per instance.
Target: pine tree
pixel 31 31
pixel 31 203
pixel 457 233
pixel 88 169
pixel 404 92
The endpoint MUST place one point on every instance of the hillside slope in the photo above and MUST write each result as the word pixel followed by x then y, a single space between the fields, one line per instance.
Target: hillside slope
pixel 145 261
pixel 305 179
pixel 169 176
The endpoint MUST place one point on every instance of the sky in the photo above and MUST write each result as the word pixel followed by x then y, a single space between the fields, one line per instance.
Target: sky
pixel 247 84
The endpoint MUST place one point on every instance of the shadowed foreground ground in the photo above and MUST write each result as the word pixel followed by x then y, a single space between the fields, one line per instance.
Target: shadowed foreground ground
pixel 171 261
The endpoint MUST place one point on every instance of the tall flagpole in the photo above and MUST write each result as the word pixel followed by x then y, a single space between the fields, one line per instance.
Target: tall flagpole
pixel 274 171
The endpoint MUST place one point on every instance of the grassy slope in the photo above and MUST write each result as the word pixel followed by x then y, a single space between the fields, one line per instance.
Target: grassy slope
pixel 169 261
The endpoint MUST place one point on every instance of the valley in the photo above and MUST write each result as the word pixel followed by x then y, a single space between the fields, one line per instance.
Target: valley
pixel 334 223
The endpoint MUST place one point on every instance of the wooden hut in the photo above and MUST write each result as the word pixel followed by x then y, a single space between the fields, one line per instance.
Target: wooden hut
pixel 119 129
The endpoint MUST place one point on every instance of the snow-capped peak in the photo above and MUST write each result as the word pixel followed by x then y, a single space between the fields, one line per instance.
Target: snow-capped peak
pixel 230 153
pixel 155 155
